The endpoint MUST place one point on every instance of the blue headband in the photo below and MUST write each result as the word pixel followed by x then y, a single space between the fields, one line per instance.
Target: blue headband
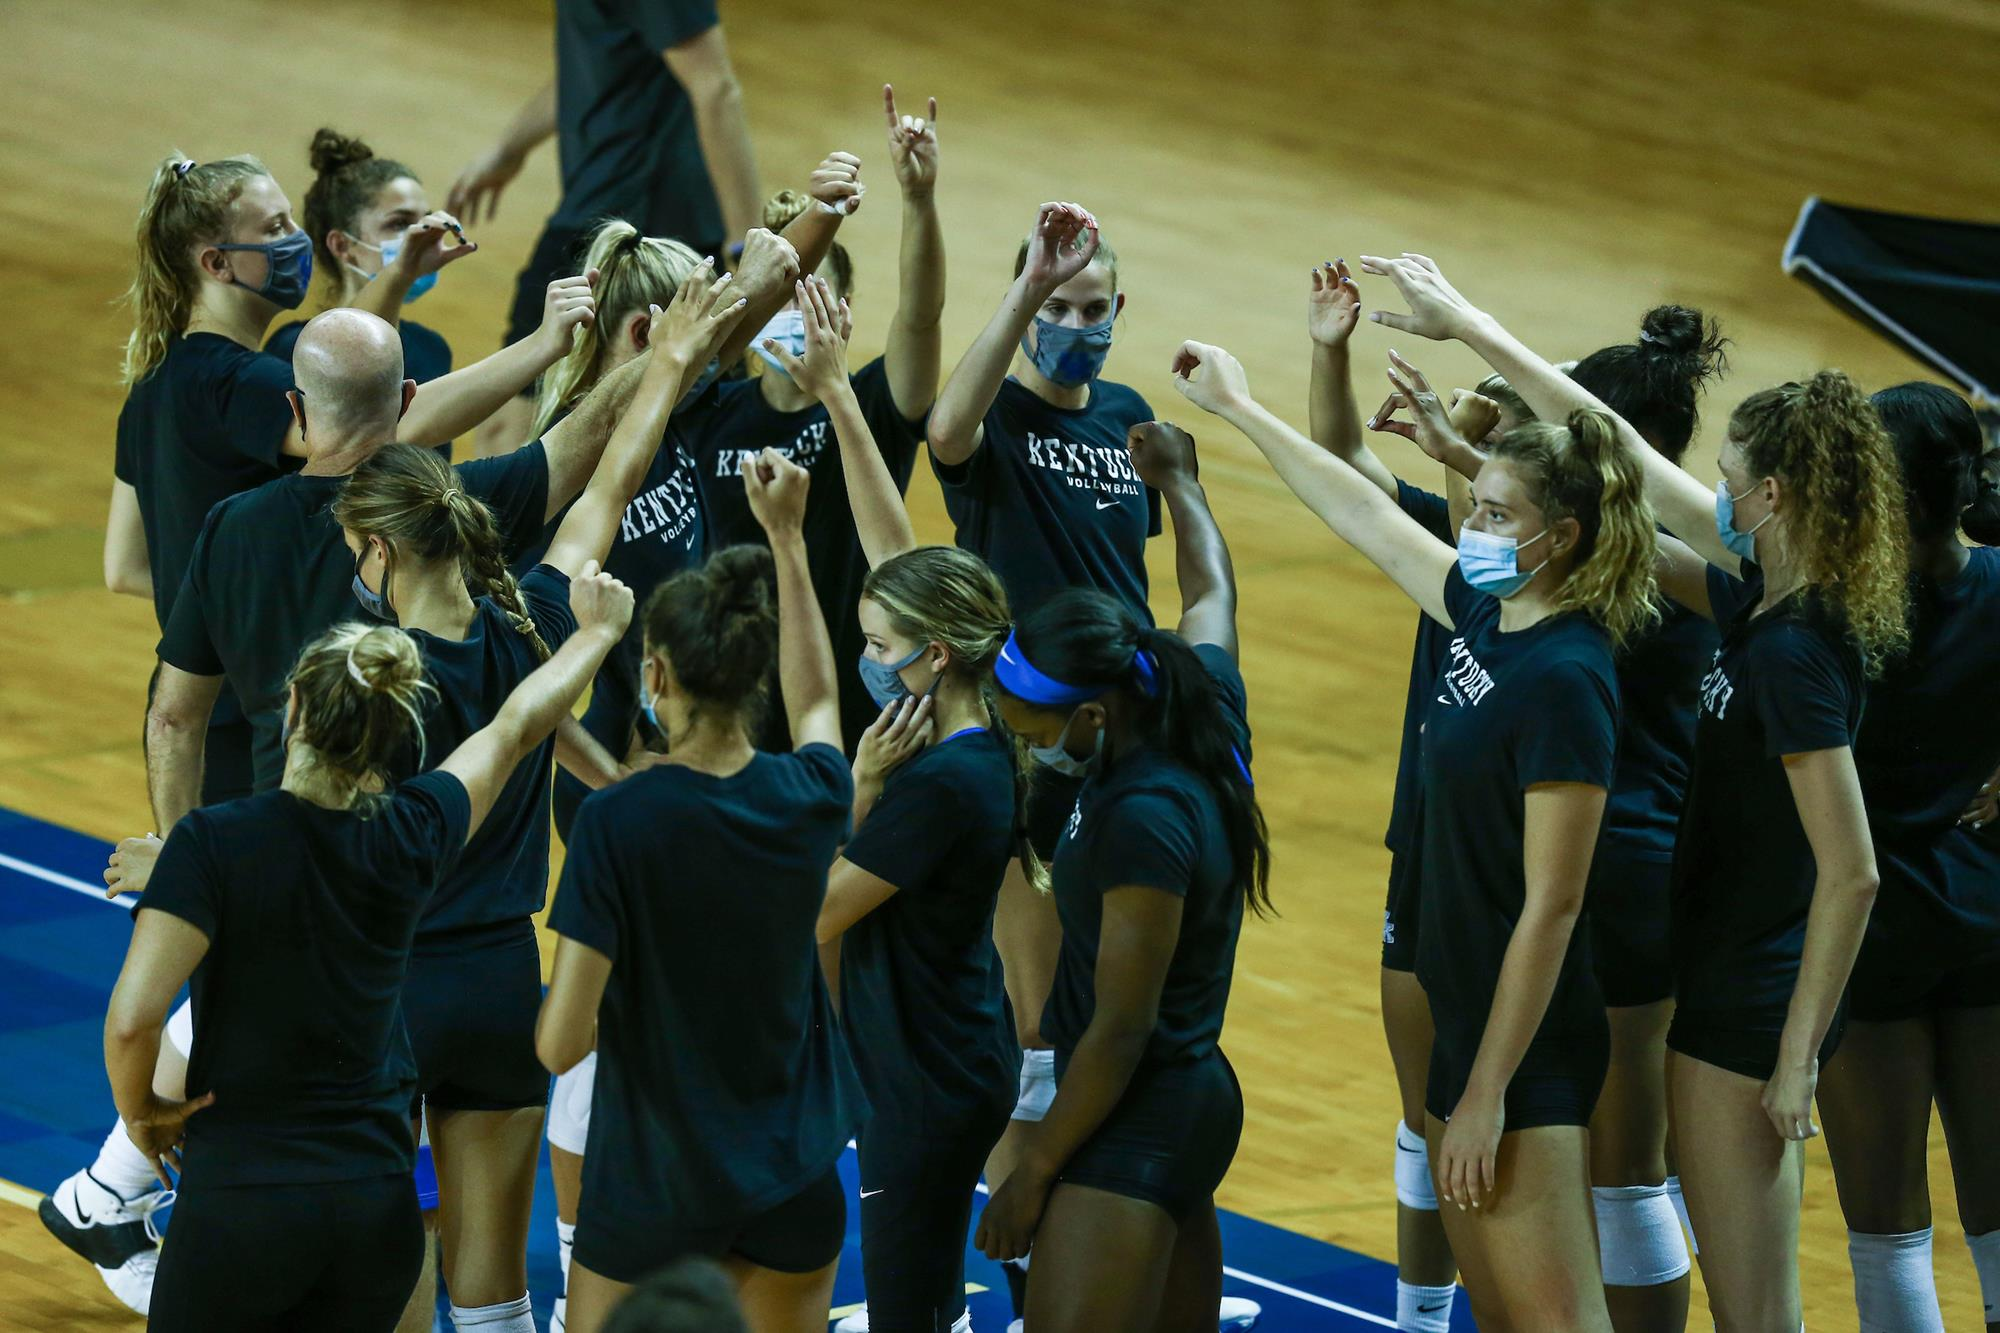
pixel 1020 678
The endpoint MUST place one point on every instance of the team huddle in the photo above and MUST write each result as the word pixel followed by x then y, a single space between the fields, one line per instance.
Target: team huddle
pixel 945 850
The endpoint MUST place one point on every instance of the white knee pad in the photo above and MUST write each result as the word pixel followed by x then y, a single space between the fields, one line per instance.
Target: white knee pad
pixel 1639 1238
pixel 180 1029
pixel 1038 1085
pixel 1986 1262
pixel 1895 1290
pixel 569 1106
pixel 1413 1170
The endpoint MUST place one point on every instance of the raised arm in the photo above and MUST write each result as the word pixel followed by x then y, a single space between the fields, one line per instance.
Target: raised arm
pixel 682 337
pixel 1164 457
pixel 492 171
pixel 1438 311
pixel 126 567
pixel 880 519
pixel 916 331
pixel 1560 826
pixel 1350 504
pixel 487 758
pixel 423 251
pixel 701 65
pixel 1333 308
pixel 575 445
pixel 1828 793
pixel 776 487
pixel 1061 246
pixel 453 404
pixel 771 262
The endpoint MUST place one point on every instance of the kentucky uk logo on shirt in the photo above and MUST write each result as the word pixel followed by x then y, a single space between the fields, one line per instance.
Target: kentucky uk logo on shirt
pixel 1467 682
pixel 804 450
pixel 1087 467
pixel 667 509
pixel 1717 690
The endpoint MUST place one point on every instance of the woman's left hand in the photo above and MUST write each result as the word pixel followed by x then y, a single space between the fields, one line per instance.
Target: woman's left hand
pixel 836 184
pixel 424 249
pixel 1466 1160
pixel 1007 1227
pixel 1788 1098
pixel 913 147
pixel 903 728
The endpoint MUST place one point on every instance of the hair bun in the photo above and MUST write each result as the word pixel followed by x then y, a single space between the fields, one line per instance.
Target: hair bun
pixel 386 661
pixel 784 207
pixel 1685 334
pixel 332 151
pixel 740 579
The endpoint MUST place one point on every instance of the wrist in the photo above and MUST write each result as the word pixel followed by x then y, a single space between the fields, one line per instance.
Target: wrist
pixel 919 196
pixel 1472 327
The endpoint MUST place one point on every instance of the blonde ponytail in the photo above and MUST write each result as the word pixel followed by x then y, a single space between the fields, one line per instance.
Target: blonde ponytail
pixel 186 205
pixel 633 272
pixel 1579 471
pixel 362 696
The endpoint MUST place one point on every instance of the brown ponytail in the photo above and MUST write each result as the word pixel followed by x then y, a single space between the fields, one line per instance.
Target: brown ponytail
pixel 1577 470
pixel 406 495
pixel 362 695
pixel 186 205
pixel 1843 510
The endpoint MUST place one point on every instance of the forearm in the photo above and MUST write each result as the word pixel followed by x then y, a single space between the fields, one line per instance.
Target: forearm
pixel 805 654
pixel 539 703
pixel 534 122
pixel 583 756
pixel 914 353
pixel 1528 975
pixel 175 745
pixel 591 525
pixel 575 445
pixel 724 133
pixel 562 1039
pixel 1834 928
pixel 880 519
pixel 1201 556
pixel 867 790
pixel 1332 413
pixel 453 404
pixel 976 380
pixel 130 1052
pixel 383 296
pixel 1099 1071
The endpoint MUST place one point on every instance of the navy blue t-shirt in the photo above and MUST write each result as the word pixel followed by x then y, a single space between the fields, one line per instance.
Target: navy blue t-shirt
pixel 723 1082
pixel 298 1020
pixel 921 992
pixel 271 572
pixel 1789 681
pixel 1508 710
pixel 625 128
pixel 1150 822
pixel 1659 687
pixel 1426 657
pixel 1930 737
pixel 1050 499
pixel 736 424
pixel 504 874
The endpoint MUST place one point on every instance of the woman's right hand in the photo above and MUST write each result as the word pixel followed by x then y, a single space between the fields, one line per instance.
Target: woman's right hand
pixel 1062 244
pixel 131 866
pixel 567 303
pixel 157 1131
pixel 424 251
pixel 600 602
pixel 1431 427
pixel 1437 311
pixel 481 183
pixel 822 371
pixel 698 318
pixel 776 487
pixel 836 184
pixel 1210 378
pixel 1334 306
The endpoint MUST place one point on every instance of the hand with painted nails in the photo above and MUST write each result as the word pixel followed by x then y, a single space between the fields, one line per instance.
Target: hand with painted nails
pixel 1430 427
pixel 836 184
pixel 913 147
pixel 699 317
pixel 1334 306
pixel 1062 244
pixel 1437 311
pixel 1467 1157
pixel 822 371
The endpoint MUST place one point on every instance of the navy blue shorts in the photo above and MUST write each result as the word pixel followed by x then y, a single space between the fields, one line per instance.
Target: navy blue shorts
pixel 470 1002
pixel 1399 915
pixel 1896 980
pixel 803 1234
pixel 1743 1040
pixel 1170 1139
pixel 1628 911
pixel 1558 1083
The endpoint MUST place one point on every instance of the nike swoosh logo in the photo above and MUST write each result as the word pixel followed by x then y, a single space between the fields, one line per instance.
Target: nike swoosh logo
pixel 1431 1309
pixel 869 1194
pixel 1102 503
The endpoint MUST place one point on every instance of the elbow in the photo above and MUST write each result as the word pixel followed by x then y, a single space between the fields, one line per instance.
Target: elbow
pixel 715 93
pixel 125 1026
pixel 165 724
pixel 558 1052
pixel 1125 1032
pixel 123 583
pixel 1862 887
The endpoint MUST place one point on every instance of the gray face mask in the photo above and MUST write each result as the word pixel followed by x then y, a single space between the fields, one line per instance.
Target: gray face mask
pixel 1059 758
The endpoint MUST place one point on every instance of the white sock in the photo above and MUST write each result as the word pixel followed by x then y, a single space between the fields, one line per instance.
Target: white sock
pixel 1894 1288
pixel 1681 1209
pixel 508 1317
pixel 565 1243
pixel 121 1168
pixel 1424 1309
pixel 1986 1262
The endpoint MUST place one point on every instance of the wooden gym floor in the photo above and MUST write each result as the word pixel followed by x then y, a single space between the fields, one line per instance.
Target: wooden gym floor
pixel 1568 163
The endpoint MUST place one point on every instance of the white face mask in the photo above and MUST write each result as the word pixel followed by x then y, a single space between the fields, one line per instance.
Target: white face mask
pixel 1059 758
pixel 787 329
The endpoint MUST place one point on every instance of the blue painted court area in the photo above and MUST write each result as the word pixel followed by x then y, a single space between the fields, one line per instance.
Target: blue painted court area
pixel 61 944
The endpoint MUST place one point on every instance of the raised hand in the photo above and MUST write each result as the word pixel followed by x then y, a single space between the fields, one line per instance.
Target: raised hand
pixel 481 183
pixel 1473 415
pixel 1062 244
pixel 1209 377
pixel 913 147
pixel 823 368
pixel 567 303
pixel 768 262
pixel 423 249
pixel 1162 454
pixel 700 316
pixel 836 183
pixel 1334 307
pixel 776 487
pixel 1436 309
pixel 600 602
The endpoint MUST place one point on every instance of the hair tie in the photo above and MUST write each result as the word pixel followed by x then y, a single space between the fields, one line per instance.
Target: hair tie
pixel 354 670
pixel 1145 667
pixel 1646 337
pixel 449 493
pixel 182 168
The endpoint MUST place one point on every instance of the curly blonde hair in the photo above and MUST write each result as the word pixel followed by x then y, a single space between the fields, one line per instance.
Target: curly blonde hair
pixel 1845 518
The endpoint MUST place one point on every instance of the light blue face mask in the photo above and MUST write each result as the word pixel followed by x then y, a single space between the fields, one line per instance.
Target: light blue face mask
pixel 787 329
pixel 884 680
pixel 1491 564
pixel 1742 545
pixel 1069 356
pixel 1059 758
pixel 389 250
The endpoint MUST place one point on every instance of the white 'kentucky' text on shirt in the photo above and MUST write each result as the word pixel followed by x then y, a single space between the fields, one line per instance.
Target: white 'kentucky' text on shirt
pixel 1088 467
pixel 667 509
pixel 1467 681
pixel 1717 690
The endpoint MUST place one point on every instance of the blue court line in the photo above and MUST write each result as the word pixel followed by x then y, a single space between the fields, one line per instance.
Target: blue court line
pixel 60 956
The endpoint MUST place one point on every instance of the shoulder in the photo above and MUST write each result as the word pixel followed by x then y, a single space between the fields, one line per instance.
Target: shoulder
pixel 1471 610
pixel 1119 402
pixel 413 334
pixel 546 584
pixel 489 477
pixel 281 343
pixel 1797 639
pixel 821 769
pixel 1728 594
pixel 970 768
